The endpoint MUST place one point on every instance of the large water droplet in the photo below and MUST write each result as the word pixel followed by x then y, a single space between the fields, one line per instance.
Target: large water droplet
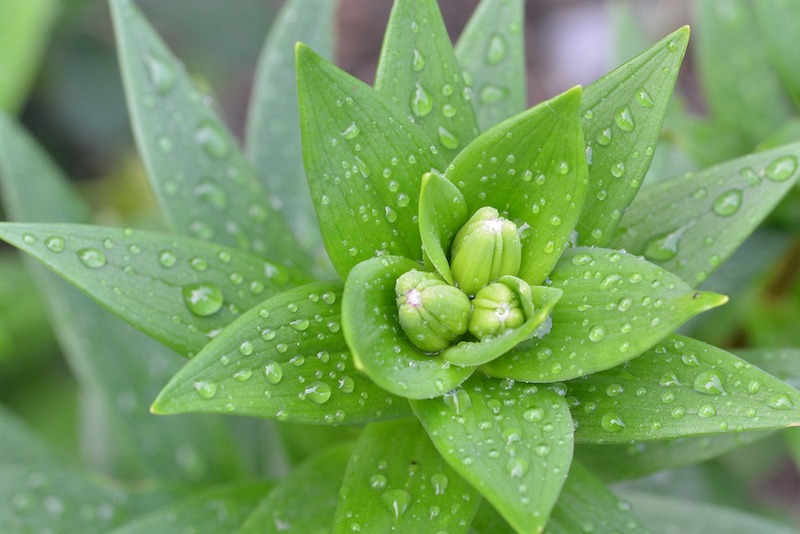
pixel 421 101
pixel 161 73
pixel 397 500
pixel 612 422
pixel 448 139
pixel 644 98
pixel 781 169
pixel 664 247
pixel 496 49
pixel 206 390
pixel 417 61
pixel 212 193
pixel 597 333
pixel 624 119
pixel 604 137
pixel 459 400
pixel 166 258
pixel 517 467
pixel 212 140
pixel 54 244
pixel 491 93
pixel 351 132
pixel 202 299
pixel 273 372
pixel 728 203
pixel 439 482
pixel 92 258
pixel 710 383
pixel 377 482
pixel 318 392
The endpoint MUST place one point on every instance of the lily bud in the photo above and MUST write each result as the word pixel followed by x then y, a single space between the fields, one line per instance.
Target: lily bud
pixel 433 313
pixel 486 248
pixel 495 309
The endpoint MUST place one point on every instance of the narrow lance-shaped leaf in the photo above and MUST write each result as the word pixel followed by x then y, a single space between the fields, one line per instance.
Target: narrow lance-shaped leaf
pixel 779 26
pixel 691 224
pixel 204 184
pixel 783 364
pixel 284 359
pixel 364 160
pixel 681 387
pixel 587 505
pixel 511 441
pixel 397 482
pixel 622 114
pixel 273 122
pixel 179 290
pixel 286 507
pixel 381 349
pixel 531 168
pixel 491 52
pixel 614 307
pixel 418 71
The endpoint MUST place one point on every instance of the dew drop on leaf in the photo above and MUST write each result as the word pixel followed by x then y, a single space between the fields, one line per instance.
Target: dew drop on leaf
pixel 624 119
pixel 161 73
pixel 211 139
pixel 644 98
pixel 166 258
pixel 346 384
pixel 728 203
pixel 604 137
pixel 397 501
pixel 597 333
pixel 706 411
pixel 491 93
pixel 351 132
pixel 92 258
pixel 246 348
pixel 417 61
pixel 206 390
pixel 517 467
pixel 377 482
pixel 54 244
pixel 439 483
pixel 318 392
pixel 781 169
pixel 710 383
pixel 447 138
pixel 273 372
pixel 421 101
pixel 612 422
pixel 243 375
pixel 202 299
pixel 496 49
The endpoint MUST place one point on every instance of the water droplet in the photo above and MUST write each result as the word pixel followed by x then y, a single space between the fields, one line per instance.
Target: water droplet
pixel 754 386
pixel 664 247
pixel 710 383
pixel 541 450
pixel 439 482
pixel 300 324
pixel 615 390
pixel 206 390
pixel 161 73
pixel 447 138
pixel 624 119
pixel 212 140
pixel 402 200
pixel 706 411
pixel 604 137
pixel 243 375
pixel 377 482
pixel 728 203
pixel 29 239
pixel 198 264
pixel 421 101
pixel 644 98
pixel 597 333
pixel 612 422
pixel 346 384
pixel 166 258
pixel 459 400
pixel 517 467
pixel 690 359
pixel 273 372
pixel 397 500
pixel 669 379
pixel 202 299
pixel 54 244
pixel 781 169
pixel 246 348
pixel 490 94
pixel 618 169
pixel 328 297
pixel 417 61
pixel 318 392
pixel 533 415
pixel 92 258
pixel 563 167
pixel 351 132
pixel 672 46
pixel 496 49
pixel 212 193
pixel 780 402
pixel 391 215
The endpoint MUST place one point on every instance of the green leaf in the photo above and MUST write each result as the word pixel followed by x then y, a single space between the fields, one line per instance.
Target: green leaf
pixel 397 482
pixel 778 23
pixel 284 359
pixel 617 462
pixel 513 442
pixel 273 121
pixel 204 184
pixel 24 29
pixel 783 364
pixel 214 510
pixel 741 89
pixel 532 168
pixel 622 115
pixel 380 347
pixel 122 386
pixel 364 159
pixel 614 307
pixel 181 291
pixel 681 387
pixel 691 224
pixel 418 72
pixel 442 212
pixel 541 299
pixel 488 521
pixel 587 505
pixel 664 515
pixel 491 52
pixel 286 507
pixel 18 444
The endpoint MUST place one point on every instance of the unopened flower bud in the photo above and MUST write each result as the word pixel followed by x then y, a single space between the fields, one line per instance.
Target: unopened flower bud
pixel 433 313
pixel 486 248
pixel 495 309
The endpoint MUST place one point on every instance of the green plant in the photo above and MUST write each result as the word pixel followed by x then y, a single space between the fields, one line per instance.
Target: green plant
pixel 473 420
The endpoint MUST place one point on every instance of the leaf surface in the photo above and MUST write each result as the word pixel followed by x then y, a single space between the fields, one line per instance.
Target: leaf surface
pixel 614 307
pixel 284 359
pixel 778 23
pixel 418 72
pixel 205 186
pixel 364 160
pixel 691 224
pixel 513 442
pixel 442 212
pixel 681 387
pixel 491 52
pixel 622 114
pixel 532 169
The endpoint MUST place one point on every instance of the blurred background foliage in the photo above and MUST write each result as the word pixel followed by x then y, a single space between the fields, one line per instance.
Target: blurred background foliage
pixel 738 92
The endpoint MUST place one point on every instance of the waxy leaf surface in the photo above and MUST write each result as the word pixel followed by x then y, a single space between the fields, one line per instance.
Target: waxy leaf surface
pixel 364 160
pixel 442 212
pixel 396 481
pixel 622 114
pixel 681 387
pixel 779 25
pixel 418 72
pixel 380 347
pixel 179 290
pixel 284 359
pixel 273 121
pixel 614 307
pixel 691 224
pixel 513 442
pixel 205 186
pixel 532 169
pixel 491 52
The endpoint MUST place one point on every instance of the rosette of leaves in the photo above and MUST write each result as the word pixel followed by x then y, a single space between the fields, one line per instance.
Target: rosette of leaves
pixel 394 172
